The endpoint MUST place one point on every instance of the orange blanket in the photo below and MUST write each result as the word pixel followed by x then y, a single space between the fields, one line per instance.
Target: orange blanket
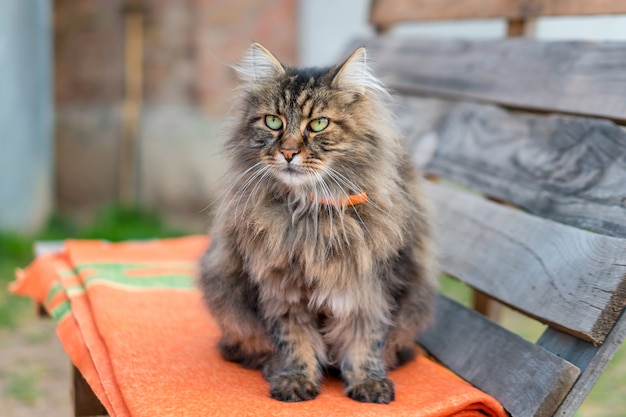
pixel 132 321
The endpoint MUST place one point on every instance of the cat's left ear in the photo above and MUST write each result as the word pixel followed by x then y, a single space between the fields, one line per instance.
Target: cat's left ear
pixel 259 65
pixel 355 74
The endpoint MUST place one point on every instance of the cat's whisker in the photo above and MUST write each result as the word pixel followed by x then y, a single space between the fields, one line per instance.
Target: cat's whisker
pixel 340 210
pixel 232 202
pixel 257 180
pixel 257 186
pixel 350 185
pixel 331 174
pixel 315 178
pixel 325 194
pixel 222 210
pixel 347 183
pixel 221 196
pixel 244 187
pixel 337 176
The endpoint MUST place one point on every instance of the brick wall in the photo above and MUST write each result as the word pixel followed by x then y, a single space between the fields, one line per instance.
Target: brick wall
pixel 186 92
pixel 88 46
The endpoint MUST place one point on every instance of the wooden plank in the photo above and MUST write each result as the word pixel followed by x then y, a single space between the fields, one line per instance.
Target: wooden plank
pixel 590 359
pixel 515 27
pixel 571 170
pixel 525 378
pixel 133 102
pixel 573 77
pixel 386 13
pixel 85 401
pixel 569 278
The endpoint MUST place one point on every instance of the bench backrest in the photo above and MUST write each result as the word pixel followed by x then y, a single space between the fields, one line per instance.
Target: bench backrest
pixel 537 126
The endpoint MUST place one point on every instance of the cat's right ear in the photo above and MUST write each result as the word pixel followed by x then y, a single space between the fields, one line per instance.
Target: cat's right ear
pixel 259 65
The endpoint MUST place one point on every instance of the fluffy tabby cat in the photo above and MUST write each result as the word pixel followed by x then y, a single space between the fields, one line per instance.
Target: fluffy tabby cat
pixel 321 252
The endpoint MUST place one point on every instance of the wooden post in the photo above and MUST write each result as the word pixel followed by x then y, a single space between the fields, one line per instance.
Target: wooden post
pixel 521 28
pixel 85 401
pixel 487 306
pixel 133 100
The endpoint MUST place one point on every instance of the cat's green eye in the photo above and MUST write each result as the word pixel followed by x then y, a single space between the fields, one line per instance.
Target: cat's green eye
pixel 273 122
pixel 318 125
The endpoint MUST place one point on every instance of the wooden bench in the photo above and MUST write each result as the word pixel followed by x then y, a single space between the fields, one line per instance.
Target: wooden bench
pixel 84 402
pixel 533 132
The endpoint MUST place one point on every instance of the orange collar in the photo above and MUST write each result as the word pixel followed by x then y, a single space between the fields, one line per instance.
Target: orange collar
pixel 351 200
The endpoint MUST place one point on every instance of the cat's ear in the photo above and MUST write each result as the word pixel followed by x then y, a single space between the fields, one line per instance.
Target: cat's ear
pixel 355 74
pixel 259 65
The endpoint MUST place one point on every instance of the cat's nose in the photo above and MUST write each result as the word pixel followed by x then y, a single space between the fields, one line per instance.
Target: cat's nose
pixel 289 153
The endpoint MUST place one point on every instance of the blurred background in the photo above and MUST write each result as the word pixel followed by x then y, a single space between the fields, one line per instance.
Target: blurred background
pixel 111 115
pixel 122 100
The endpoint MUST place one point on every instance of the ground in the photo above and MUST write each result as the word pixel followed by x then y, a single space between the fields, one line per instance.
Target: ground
pixel 34 372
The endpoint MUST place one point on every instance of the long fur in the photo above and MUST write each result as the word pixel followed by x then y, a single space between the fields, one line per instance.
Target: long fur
pixel 298 285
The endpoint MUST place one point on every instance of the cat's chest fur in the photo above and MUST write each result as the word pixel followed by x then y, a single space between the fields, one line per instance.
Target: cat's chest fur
pixel 303 243
pixel 323 258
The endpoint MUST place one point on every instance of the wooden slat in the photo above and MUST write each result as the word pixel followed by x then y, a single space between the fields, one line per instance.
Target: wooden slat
pixel 498 361
pixel 573 77
pixel 569 278
pixel 572 170
pixel 386 13
pixel 590 359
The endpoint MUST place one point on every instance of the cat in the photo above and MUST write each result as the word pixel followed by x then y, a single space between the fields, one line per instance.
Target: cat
pixel 321 254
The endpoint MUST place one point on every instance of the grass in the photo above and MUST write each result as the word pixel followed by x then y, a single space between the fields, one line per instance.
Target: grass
pixel 114 223
pixel 15 251
pixel 23 384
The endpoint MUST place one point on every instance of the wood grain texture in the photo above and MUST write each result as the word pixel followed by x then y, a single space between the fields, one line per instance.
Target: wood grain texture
pixel 386 13
pixel 572 170
pixel 593 360
pixel 498 361
pixel 566 277
pixel 583 78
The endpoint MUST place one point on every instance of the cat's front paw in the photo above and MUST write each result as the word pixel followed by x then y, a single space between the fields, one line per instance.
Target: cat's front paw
pixel 248 357
pixel 293 388
pixel 373 390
